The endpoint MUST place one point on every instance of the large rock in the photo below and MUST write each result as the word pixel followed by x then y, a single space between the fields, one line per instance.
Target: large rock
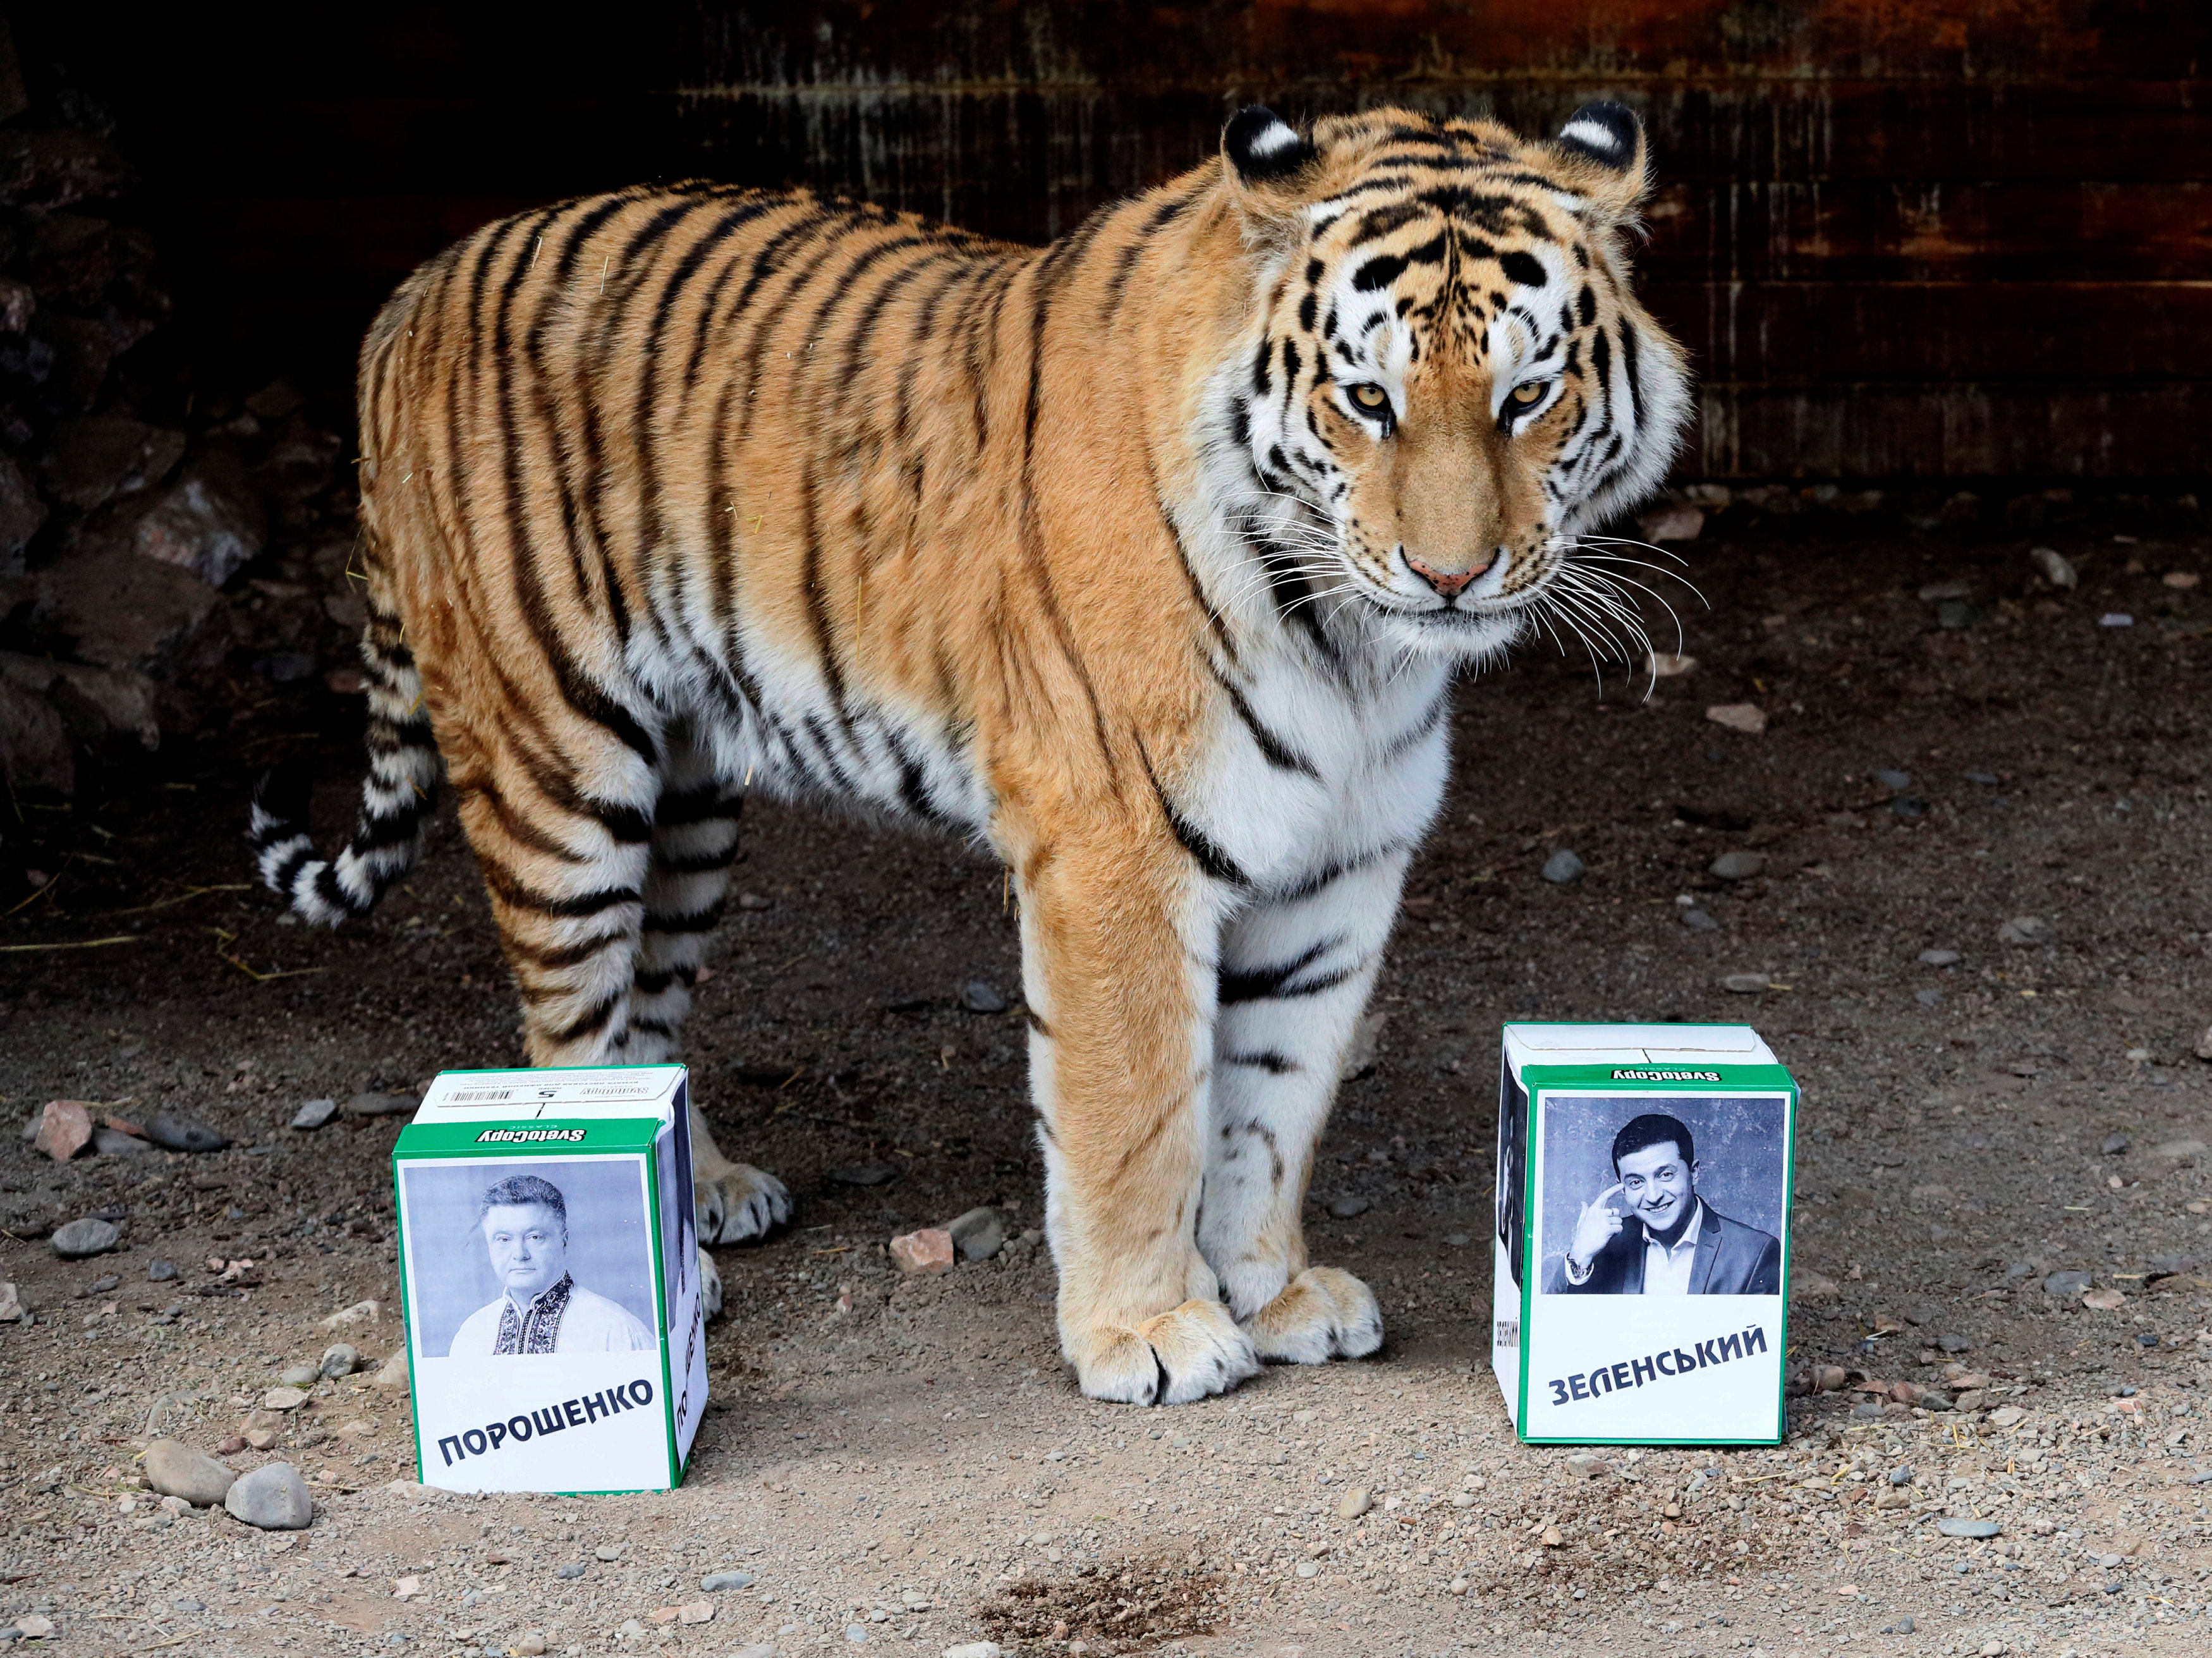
pixel 118 610
pixel 36 756
pixel 94 458
pixel 18 304
pixel 924 1254
pixel 175 1469
pixel 55 167
pixel 21 513
pixel 114 712
pixel 69 357
pixel 111 272
pixel 210 522
pixel 272 1496
pixel 62 1129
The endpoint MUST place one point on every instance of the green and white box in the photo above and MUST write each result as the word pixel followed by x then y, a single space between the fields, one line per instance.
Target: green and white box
pixel 1642 1238
pixel 549 1269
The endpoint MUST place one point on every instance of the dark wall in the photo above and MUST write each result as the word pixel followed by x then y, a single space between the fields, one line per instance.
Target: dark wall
pixel 1932 237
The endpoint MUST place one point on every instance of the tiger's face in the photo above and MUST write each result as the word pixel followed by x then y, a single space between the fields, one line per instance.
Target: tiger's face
pixel 1452 376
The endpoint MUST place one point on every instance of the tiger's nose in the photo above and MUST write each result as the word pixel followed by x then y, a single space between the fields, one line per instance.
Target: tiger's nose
pixel 1448 583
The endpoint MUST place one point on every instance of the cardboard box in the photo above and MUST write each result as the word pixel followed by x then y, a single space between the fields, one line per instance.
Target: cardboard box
pixel 549 1272
pixel 1640 1281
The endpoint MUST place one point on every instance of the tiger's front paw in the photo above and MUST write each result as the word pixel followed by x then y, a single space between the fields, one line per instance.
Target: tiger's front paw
pixel 1189 1353
pixel 710 1285
pixel 739 1203
pixel 1322 1313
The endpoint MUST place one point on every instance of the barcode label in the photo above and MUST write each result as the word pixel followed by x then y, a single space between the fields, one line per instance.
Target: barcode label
pixel 475 1096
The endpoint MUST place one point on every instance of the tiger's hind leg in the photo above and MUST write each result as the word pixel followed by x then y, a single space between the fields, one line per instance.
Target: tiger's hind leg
pixel 560 837
pixel 694 840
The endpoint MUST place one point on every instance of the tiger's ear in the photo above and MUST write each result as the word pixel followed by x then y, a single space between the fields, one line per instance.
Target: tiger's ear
pixel 1608 158
pixel 1267 161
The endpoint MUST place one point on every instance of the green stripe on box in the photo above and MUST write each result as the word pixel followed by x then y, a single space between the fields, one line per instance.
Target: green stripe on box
pixel 469 1139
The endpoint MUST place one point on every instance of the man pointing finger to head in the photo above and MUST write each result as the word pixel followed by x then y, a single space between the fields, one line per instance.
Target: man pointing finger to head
pixel 1670 1241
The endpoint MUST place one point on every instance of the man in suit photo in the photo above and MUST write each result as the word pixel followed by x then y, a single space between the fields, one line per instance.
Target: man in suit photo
pixel 1670 1242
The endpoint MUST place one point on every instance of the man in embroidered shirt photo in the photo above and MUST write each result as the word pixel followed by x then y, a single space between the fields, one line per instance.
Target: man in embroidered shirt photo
pixel 524 1222
pixel 1669 1242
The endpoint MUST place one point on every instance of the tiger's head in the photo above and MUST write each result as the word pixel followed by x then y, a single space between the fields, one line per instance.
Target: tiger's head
pixel 1450 375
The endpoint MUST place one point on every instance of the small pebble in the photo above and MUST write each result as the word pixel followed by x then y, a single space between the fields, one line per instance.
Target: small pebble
pixel 2066 1284
pixel 978 1235
pixel 1894 780
pixel 339 1359
pixel 87 1235
pixel 175 1469
pixel 1902 1474
pixel 2113 1146
pixel 978 996
pixel 160 1270
pixel 1739 865
pixel 300 1375
pixel 1950 1526
pixel 864 1174
pixel 1355 1503
pixel 1699 920
pixel 272 1496
pixel 1744 984
pixel 1562 868
pixel 1746 717
pixel 924 1254
pixel 1344 1208
pixel 609 1552
pixel 380 1105
pixel 1940 958
pixel 573 1569
pixel 714 1581
pixel 313 1114
pixel 173 1133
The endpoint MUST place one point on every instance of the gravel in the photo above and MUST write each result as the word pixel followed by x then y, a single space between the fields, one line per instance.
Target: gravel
pixel 909 1440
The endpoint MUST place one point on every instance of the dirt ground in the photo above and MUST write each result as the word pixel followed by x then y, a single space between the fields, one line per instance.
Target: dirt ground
pixel 906 1463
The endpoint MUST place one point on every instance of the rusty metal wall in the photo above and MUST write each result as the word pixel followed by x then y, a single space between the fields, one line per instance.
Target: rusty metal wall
pixel 1901 237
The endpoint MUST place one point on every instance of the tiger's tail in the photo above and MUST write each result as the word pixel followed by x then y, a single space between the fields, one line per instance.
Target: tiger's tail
pixel 400 788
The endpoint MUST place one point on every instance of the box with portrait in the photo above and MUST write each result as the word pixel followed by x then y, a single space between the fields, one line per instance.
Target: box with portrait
pixel 1642 1247
pixel 550 1275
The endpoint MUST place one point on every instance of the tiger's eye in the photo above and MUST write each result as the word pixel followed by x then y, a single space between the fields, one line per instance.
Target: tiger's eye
pixel 1372 399
pixel 1525 395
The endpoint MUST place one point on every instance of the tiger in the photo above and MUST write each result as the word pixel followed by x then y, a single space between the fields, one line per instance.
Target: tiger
pixel 1147 559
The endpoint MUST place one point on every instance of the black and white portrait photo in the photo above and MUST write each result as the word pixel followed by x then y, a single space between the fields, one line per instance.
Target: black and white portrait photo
pixel 1687 1197
pixel 515 1258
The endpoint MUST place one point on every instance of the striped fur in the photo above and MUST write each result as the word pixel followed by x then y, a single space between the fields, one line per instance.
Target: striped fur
pixel 1146 557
